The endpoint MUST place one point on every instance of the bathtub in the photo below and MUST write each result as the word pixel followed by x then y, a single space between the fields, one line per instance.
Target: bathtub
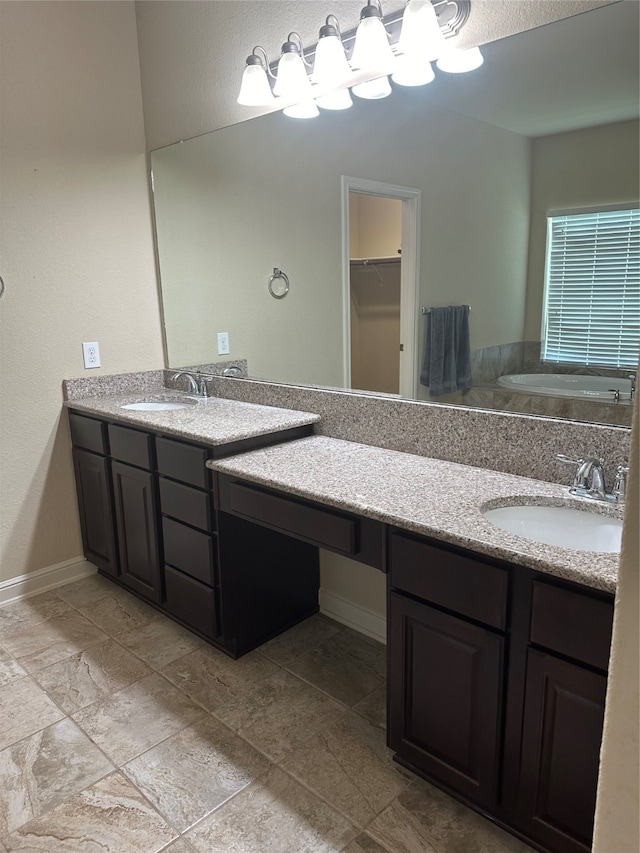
pixel 568 385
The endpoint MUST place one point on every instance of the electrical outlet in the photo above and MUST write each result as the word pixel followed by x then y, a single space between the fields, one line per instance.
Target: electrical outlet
pixel 91 354
pixel 223 343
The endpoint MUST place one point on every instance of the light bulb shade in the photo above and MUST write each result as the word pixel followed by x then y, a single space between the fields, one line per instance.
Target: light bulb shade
pixel 412 71
pixel 421 34
pixel 340 100
pixel 457 61
pixel 305 109
pixel 372 51
pixel 330 67
pixel 373 90
pixel 292 82
pixel 254 89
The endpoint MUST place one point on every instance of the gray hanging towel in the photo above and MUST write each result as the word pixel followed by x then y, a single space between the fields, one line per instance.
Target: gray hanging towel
pixel 446 365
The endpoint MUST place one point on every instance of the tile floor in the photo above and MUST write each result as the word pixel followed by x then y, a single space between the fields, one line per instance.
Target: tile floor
pixel 122 733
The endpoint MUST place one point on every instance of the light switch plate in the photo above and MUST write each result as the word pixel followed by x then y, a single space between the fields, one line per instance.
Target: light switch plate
pixel 91 354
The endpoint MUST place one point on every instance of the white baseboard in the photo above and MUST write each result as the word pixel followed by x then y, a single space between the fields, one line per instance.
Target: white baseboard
pixel 353 616
pixel 42 580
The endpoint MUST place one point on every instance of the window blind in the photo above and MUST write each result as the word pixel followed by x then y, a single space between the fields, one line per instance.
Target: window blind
pixel 592 288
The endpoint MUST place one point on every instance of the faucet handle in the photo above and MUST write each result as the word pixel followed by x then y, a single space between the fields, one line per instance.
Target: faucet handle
pixel 563 458
pixel 619 490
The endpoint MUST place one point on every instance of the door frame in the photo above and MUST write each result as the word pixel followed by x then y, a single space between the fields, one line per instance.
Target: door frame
pixel 409 276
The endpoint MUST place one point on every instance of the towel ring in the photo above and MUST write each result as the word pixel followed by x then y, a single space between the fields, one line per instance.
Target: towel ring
pixel 279 275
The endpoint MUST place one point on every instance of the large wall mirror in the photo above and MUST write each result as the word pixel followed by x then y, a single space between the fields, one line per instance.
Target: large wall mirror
pixel 549 122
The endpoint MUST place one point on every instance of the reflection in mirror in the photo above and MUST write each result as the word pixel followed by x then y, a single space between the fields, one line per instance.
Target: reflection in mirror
pixel 550 122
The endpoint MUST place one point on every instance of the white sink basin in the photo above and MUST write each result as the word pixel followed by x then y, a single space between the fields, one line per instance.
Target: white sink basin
pixel 155 406
pixel 560 525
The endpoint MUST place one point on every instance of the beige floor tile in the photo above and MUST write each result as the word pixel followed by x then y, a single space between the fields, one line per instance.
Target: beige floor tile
pixel 17 617
pixel 10 669
pixel 138 717
pixel 119 612
pixel 39 772
pixel 374 707
pixel 91 675
pixel 365 844
pixel 274 816
pixel 347 666
pixel 110 816
pixel 349 765
pixel 24 709
pixel 54 640
pixel 179 846
pixel 424 818
pixel 86 592
pixel 280 714
pixel 300 639
pixel 160 642
pixel 191 773
pixel 211 678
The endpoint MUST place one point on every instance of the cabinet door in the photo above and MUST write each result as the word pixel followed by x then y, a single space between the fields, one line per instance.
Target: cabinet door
pixel 96 510
pixel 563 718
pixel 445 687
pixel 135 506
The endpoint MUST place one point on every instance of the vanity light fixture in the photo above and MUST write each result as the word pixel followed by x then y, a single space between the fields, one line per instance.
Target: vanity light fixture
pixel 255 90
pixel 402 45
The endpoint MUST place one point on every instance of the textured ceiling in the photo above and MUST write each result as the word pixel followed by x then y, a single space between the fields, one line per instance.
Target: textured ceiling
pixel 192 53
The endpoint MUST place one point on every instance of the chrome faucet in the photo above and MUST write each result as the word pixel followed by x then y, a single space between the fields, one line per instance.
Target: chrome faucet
pixel 197 389
pixel 590 476
pixel 632 379
pixel 588 481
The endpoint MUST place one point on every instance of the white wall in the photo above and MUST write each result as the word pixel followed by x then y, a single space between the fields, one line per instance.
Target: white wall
pixel 76 250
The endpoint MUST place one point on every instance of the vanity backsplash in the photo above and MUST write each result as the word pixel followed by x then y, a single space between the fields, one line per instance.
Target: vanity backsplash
pixel 499 441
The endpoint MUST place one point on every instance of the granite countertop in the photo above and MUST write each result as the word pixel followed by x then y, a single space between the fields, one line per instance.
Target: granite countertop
pixel 211 421
pixel 443 500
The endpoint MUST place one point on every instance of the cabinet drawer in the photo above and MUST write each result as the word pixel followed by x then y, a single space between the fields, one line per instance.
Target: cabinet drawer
pixel 185 462
pixel 186 504
pixel 467 586
pixel 88 433
pixel 188 550
pixel 191 602
pixel 572 624
pixel 131 446
pixel 322 527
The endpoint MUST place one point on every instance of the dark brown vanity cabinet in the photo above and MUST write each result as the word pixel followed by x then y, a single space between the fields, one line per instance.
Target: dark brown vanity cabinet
pixel 136 509
pixel 566 681
pixel 497 680
pixel 95 494
pixel 188 534
pixel 446 682
pixel 149 521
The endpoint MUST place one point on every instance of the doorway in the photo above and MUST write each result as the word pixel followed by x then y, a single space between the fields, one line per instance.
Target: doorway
pixel 380 286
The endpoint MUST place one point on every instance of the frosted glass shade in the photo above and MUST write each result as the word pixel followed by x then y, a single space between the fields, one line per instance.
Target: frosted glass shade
pixel 292 82
pixel 421 34
pixel 305 109
pixel 372 51
pixel 254 89
pixel 412 71
pixel 330 67
pixel 340 100
pixel 457 61
pixel 373 90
